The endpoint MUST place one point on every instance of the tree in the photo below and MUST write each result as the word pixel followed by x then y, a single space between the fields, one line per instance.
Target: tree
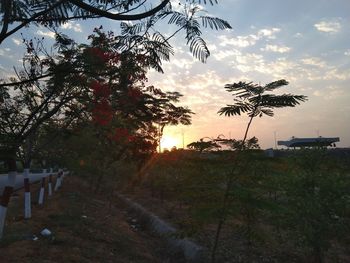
pixel 251 99
pixel 20 13
pixel 95 82
pixel 51 14
pixel 234 144
pixel 202 145
pixel 169 114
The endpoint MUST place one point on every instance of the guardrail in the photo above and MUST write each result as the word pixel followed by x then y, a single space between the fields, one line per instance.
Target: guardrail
pixel 14 181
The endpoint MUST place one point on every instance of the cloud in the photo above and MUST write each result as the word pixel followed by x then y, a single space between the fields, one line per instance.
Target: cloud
pixel 239 41
pixel 249 40
pixel 275 48
pixel 46 34
pixel 347 52
pixel 72 26
pixel 329 93
pixel 223 54
pixel 314 61
pixel 5 52
pixel 269 32
pixel 16 41
pixel 331 26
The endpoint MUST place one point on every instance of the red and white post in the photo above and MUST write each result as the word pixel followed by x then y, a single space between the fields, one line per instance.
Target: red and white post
pixel 6 195
pixel 50 183
pixel 27 197
pixel 42 188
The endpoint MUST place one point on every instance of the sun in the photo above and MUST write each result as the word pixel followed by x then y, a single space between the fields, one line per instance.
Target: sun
pixel 168 142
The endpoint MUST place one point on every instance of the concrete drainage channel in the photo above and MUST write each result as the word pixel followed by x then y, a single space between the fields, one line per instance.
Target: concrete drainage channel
pixel 192 252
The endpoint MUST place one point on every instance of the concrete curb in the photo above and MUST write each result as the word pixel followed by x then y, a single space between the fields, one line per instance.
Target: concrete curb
pixel 192 252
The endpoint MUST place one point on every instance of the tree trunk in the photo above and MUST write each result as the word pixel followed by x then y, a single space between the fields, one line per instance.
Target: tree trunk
pixel 221 221
pixel 8 190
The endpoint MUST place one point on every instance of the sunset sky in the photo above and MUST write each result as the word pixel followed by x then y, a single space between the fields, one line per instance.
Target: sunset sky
pixel 306 42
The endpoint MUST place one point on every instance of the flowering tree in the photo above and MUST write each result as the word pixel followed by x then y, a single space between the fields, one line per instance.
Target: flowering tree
pixel 102 83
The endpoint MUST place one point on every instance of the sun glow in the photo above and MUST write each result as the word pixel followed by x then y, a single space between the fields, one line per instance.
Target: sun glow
pixel 168 142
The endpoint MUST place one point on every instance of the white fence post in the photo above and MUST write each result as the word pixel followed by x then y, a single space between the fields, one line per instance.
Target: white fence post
pixel 50 182
pixel 58 180
pixel 5 199
pixel 42 188
pixel 27 197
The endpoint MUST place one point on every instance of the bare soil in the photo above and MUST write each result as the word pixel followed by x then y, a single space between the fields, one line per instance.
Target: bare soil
pixel 85 227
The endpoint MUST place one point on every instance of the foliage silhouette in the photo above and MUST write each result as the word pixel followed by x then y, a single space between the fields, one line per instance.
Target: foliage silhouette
pixel 251 99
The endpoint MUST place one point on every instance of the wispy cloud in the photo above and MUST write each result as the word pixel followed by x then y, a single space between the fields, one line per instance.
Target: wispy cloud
pixel 249 40
pixel 328 26
pixel 16 41
pixel 276 48
pixel 72 26
pixel 239 41
pixel 329 93
pixel 314 61
pixel 5 52
pixel 269 32
pixel 46 33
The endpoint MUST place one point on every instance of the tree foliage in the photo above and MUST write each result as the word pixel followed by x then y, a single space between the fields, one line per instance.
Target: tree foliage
pixel 254 100
pixel 203 145
pixel 52 14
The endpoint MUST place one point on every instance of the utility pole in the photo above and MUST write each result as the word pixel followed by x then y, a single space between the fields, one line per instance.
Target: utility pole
pixel 274 135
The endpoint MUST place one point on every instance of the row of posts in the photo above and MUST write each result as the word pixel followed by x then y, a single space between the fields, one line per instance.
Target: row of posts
pixel 9 188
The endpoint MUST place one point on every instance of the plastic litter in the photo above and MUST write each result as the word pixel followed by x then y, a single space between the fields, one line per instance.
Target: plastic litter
pixel 45 232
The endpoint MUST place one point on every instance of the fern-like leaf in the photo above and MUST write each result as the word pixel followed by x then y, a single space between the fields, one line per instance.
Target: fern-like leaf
pixel 215 23
pixel 199 49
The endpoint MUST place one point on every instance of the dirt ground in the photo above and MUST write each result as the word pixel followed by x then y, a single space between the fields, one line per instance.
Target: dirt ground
pixel 84 226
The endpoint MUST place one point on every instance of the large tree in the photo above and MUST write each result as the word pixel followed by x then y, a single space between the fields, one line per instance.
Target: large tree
pixel 17 14
pixel 102 82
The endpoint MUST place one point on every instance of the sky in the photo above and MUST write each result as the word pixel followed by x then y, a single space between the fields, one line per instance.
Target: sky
pixel 306 42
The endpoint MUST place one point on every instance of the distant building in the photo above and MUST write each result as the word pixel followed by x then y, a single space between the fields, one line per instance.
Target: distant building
pixel 309 142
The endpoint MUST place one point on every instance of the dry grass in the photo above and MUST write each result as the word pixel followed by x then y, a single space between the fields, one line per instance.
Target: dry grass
pixel 84 227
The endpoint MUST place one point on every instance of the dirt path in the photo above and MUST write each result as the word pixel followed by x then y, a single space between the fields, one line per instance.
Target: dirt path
pixel 84 229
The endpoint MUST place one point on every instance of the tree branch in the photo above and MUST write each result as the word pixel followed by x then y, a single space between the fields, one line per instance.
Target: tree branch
pixel 112 16
pixel 23 24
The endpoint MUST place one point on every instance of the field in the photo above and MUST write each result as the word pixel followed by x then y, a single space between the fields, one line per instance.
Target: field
pixel 288 209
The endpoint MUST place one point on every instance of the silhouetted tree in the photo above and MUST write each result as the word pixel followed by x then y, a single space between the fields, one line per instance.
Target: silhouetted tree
pixel 202 145
pixel 170 114
pixel 252 99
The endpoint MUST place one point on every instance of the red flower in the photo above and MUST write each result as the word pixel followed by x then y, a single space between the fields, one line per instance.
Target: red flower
pixel 100 90
pixel 102 112
pixel 104 56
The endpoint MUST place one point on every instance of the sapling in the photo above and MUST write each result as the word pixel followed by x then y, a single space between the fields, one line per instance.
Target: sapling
pixel 256 101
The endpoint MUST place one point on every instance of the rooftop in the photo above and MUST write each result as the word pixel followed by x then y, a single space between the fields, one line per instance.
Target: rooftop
pixel 309 142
